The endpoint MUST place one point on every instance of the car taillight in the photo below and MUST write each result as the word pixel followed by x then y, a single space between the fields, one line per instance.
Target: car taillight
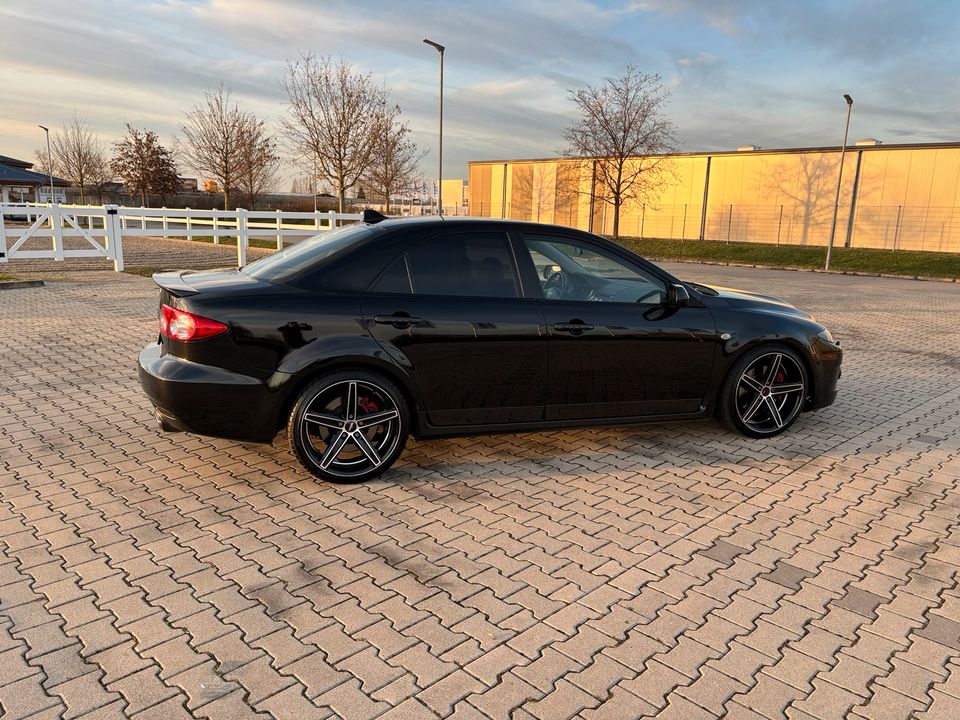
pixel 185 326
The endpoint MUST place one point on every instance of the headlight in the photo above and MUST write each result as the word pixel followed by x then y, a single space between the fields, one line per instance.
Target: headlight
pixel 826 336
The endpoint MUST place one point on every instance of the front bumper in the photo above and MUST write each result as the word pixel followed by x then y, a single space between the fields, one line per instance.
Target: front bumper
pixel 208 400
pixel 827 360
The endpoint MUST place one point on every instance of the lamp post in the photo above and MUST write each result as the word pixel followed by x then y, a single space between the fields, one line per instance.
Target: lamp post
pixel 836 200
pixel 439 48
pixel 49 161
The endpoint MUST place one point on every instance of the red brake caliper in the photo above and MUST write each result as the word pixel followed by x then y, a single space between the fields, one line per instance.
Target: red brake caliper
pixel 368 405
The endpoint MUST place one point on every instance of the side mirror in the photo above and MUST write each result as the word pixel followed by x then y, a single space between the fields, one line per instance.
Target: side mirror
pixel 678 295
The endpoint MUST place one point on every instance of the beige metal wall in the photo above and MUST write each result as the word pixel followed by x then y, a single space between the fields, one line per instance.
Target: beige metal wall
pixel 906 197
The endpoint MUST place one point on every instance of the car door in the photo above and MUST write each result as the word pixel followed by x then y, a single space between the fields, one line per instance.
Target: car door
pixel 451 311
pixel 616 347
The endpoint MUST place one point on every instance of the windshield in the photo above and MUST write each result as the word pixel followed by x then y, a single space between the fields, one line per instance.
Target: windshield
pixel 307 253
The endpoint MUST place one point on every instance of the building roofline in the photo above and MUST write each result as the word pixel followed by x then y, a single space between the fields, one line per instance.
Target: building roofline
pixel 955 145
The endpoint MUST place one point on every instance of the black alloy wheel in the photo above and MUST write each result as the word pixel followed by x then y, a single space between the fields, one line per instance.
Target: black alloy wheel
pixel 349 426
pixel 764 392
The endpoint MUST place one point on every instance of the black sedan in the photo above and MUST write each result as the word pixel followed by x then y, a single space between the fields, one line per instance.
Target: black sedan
pixel 362 336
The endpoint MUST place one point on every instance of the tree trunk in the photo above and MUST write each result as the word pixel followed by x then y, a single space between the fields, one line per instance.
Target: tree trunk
pixel 342 196
pixel 616 217
pixel 143 197
pixel 386 205
pixel 83 199
pixel 226 198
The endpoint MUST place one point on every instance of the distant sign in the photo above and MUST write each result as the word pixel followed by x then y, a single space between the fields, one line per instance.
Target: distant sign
pixel 59 194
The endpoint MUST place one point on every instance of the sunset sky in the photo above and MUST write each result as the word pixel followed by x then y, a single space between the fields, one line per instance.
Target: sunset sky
pixel 743 71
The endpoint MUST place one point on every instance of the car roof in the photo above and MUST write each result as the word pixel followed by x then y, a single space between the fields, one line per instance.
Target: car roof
pixel 462 222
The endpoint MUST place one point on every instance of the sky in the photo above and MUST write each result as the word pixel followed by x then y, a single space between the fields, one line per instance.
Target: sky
pixel 762 72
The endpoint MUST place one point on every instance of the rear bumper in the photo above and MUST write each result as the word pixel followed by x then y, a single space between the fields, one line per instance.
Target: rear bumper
pixel 208 400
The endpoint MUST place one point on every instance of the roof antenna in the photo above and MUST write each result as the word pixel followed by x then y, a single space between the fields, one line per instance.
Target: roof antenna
pixel 372 217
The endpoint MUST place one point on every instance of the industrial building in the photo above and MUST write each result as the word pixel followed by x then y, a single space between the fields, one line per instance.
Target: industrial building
pixel 897 197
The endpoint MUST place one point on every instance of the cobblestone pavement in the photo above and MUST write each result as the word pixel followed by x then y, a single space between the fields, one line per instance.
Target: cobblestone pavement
pixel 677 570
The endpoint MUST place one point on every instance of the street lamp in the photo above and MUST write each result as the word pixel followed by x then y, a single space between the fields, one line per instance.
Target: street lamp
pixel 439 48
pixel 836 200
pixel 49 161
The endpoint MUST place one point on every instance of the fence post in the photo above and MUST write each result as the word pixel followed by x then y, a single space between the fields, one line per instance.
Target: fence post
pixel 3 240
pixel 216 227
pixel 779 224
pixel 56 226
pixel 241 237
pixel 729 221
pixel 896 230
pixel 683 228
pixel 165 223
pixel 332 222
pixel 189 225
pixel 279 231
pixel 111 223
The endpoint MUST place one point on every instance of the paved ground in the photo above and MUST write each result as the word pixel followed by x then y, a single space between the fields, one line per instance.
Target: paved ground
pixel 676 569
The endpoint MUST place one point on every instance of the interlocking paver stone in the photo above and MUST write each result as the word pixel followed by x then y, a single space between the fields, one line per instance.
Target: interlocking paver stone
pixel 599 573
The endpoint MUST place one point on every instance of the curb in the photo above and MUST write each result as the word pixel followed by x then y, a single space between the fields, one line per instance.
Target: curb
pixel 18 284
pixel 924 278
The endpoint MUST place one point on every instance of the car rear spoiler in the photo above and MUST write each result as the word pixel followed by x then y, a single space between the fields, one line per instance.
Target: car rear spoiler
pixel 174 284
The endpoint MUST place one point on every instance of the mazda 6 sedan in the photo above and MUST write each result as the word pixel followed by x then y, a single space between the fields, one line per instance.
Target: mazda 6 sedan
pixel 360 337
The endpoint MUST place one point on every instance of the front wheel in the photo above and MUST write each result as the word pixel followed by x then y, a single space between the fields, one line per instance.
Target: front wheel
pixel 349 426
pixel 764 392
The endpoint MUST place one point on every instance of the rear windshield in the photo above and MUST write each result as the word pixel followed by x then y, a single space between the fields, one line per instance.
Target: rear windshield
pixel 307 253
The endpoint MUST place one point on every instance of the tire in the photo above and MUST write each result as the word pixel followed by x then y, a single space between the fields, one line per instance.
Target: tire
pixel 349 447
pixel 764 392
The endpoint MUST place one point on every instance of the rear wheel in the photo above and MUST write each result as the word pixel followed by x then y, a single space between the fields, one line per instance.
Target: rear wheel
pixel 764 392
pixel 349 426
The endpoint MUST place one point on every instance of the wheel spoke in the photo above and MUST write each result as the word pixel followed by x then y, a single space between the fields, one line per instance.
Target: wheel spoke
pixel 350 410
pixel 786 388
pixel 330 421
pixel 774 411
pixel 774 369
pixel 377 418
pixel 333 449
pixel 752 410
pixel 751 383
pixel 364 445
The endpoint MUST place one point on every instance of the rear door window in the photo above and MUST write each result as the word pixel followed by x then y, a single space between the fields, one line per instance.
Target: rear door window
pixel 468 265
pixel 475 265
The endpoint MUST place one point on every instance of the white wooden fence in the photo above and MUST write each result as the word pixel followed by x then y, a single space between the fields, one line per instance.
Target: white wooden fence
pixel 105 227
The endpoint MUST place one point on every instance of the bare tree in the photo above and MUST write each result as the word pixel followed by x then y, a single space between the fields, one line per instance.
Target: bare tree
pixel 76 152
pixel 42 165
pixel 213 138
pixel 259 161
pixel 144 165
pixel 623 136
pixel 100 172
pixel 333 115
pixel 394 163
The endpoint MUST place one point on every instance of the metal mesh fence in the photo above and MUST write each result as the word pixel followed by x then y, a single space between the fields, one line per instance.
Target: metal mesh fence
pixel 887 227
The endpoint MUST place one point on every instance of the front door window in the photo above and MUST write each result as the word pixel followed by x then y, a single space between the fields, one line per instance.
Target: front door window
pixel 568 270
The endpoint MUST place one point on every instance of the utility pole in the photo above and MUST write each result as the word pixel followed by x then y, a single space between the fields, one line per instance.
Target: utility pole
pixel 439 48
pixel 836 201
pixel 49 163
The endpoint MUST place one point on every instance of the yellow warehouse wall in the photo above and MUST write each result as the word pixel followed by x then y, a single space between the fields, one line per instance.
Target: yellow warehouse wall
pixel 907 197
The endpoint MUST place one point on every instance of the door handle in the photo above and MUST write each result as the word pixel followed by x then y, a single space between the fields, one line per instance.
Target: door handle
pixel 572 327
pixel 400 322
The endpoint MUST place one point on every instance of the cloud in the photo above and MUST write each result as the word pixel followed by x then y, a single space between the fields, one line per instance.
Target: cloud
pixel 739 71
